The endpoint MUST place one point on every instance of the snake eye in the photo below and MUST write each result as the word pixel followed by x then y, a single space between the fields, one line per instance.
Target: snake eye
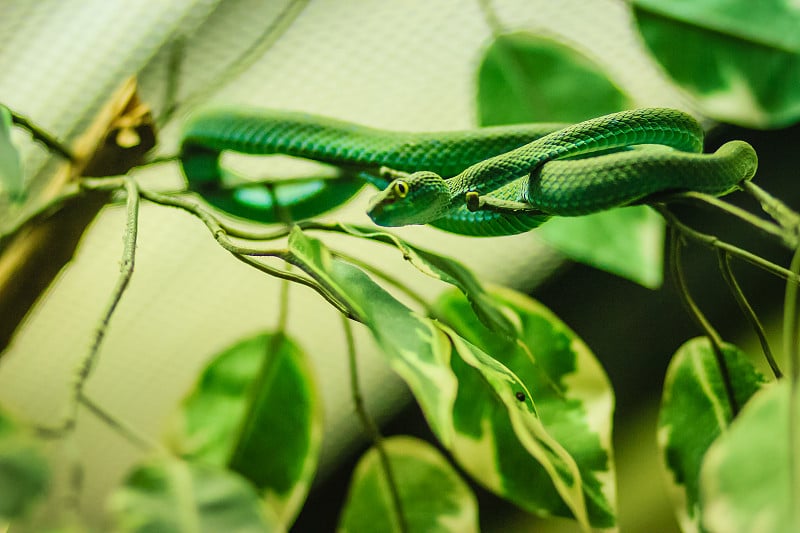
pixel 400 188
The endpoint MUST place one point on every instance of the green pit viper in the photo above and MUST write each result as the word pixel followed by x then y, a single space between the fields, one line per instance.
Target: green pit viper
pixel 490 181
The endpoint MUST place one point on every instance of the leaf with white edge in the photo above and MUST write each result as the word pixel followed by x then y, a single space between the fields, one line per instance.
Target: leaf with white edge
pixel 172 496
pixel 435 363
pixel 11 176
pixel 750 477
pixel 635 253
pixel 448 270
pixel 571 394
pixel 695 410
pixel 24 473
pixel 433 496
pixel 415 348
pixel 503 444
pixel 255 409
pixel 738 59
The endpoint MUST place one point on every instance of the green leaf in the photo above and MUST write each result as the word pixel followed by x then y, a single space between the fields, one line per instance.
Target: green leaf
pixel 171 496
pixel 527 78
pixel 524 78
pixel 739 60
pixel 694 411
pixel 415 348
pixel 256 410
pixel 308 198
pixel 11 176
pixel 634 253
pixel 749 480
pixel 573 399
pixel 435 363
pixel 433 496
pixel 448 270
pixel 24 473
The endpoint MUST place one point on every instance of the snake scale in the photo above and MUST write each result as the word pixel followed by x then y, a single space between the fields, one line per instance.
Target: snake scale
pixel 523 174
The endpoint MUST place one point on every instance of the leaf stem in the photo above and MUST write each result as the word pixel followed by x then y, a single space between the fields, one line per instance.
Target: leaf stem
pixel 791 331
pixel 747 310
pixel 791 338
pixel 715 242
pixel 694 311
pixel 311 283
pixel 371 428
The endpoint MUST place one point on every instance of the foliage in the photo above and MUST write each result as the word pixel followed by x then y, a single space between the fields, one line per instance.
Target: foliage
pixel 434 497
pixel 524 78
pixel 514 396
pixel 740 61
pixel 24 473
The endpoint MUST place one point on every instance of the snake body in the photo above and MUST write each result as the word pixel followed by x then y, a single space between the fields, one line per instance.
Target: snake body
pixel 552 169
pixel 360 150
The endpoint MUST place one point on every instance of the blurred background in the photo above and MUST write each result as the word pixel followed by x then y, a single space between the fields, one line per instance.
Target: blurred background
pixel 406 65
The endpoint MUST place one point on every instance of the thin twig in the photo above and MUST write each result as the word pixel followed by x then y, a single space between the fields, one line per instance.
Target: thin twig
pixel 130 434
pixel 789 240
pixel 747 310
pixel 243 253
pixel 694 311
pixel 50 142
pixel 87 364
pixel 371 429
pixel 126 272
pixel 716 243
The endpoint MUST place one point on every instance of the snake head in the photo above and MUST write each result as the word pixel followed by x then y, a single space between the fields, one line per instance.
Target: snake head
pixel 417 198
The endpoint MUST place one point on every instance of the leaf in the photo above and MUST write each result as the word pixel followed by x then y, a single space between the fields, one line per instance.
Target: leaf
pixel 448 270
pixel 572 396
pixel 749 480
pixel 634 253
pixel 433 496
pixel 24 473
pixel 11 176
pixel 256 410
pixel 171 496
pixel 694 411
pixel 527 78
pixel 437 364
pixel 524 78
pixel 414 347
pixel 739 60
pixel 307 197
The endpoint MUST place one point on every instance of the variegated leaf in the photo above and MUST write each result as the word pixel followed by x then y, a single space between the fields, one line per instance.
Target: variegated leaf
pixel 433 496
pixel 695 410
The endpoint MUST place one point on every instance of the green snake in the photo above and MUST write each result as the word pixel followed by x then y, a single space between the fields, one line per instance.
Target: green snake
pixel 488 181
